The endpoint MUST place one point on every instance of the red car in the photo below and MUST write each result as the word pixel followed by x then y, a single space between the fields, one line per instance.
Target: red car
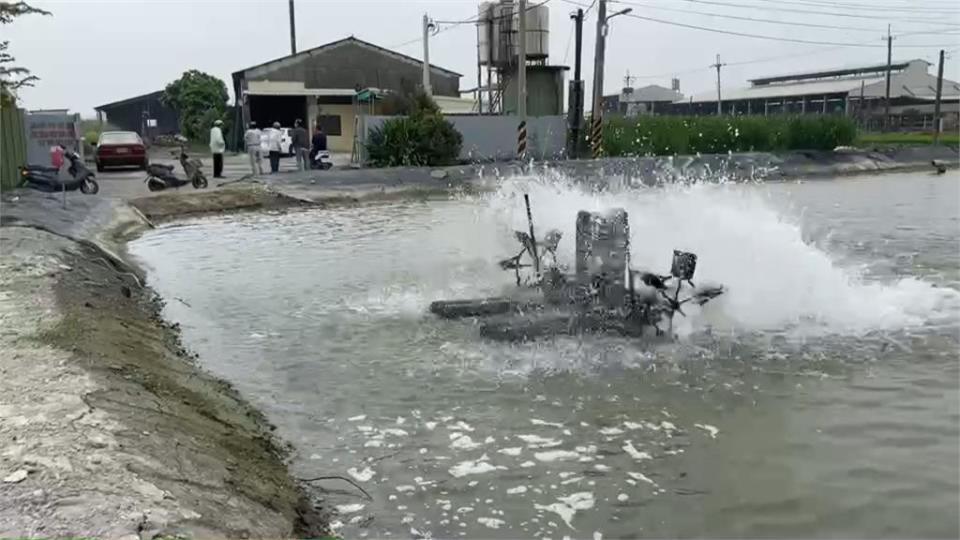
pixel 121 148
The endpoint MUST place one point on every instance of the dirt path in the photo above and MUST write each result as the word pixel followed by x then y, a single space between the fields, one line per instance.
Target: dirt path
pixel 107 428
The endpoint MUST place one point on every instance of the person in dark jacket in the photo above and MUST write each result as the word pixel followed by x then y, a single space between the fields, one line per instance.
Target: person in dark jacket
pixel 298 144
pixel 317 145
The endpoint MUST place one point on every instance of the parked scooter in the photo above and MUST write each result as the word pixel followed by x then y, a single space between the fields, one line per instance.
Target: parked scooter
pixel 47 179
pixel 320 160
pixel 160 177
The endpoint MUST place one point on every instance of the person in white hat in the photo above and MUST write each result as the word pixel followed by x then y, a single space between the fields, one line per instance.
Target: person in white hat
pixel 217 146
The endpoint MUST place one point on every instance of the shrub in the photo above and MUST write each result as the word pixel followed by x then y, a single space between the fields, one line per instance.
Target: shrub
pixel 422 138
pixel 668 135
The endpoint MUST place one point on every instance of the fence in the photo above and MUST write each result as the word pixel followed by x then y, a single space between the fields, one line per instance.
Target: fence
pixel 494 138
pixel 13 145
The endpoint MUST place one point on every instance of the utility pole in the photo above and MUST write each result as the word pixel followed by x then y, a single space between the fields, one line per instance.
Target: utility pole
pixel 293 30
pixel 427 25
pixel 718 65
pixel 522 62
pixel 936 105
pixel 598 58
pixel 575 108
pixel 479 93
pixel 886 105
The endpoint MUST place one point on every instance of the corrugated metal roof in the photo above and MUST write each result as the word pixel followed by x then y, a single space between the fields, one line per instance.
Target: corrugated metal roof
pixel 835 72
pixel 653 92
pixel 812 88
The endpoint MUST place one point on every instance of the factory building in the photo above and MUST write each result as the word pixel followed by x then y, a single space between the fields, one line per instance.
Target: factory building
pixel 333 84
pixel 854 91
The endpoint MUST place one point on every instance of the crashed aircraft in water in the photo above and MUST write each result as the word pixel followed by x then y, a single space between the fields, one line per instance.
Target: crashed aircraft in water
pixel 602 295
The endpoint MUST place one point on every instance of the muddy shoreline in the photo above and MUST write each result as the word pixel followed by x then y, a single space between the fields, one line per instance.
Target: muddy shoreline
pixel 109 428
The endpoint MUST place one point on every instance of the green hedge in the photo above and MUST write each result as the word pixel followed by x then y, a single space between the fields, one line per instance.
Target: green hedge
pixel 424 137
pixel 669 135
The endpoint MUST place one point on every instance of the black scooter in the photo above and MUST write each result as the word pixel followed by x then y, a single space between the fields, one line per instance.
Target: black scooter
pixel 46 179
pixel 160 177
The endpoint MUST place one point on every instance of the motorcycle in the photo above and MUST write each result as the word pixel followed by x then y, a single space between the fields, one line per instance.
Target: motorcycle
pixel 160 176
pixel 320 160
pixel 47 179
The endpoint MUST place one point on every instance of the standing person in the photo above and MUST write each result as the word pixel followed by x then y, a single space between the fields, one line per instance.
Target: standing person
pixel 273 142
pixel 300 145
pixel 217 146
pixel 251 140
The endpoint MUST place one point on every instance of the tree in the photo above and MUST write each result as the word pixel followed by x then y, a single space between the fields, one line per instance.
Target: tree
pixel 200 99
pixel 13 77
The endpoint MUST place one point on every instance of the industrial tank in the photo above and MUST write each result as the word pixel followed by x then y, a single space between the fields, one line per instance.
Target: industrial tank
pixel 485 33
pixel 538 32
pixel 499 25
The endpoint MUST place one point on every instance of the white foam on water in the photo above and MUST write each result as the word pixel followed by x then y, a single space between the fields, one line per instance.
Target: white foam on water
pixel 492 523
pixel 556 455
pixel 566 507
pixel 358 418
pixel 775 278
pixel 622 497
pixel 517 490
pixel 430 425
pixel 465 443
pixel 479 466
pixel 513 451
pixel 538 422
pixel 361 476
pixel 634 453
pixel 350 508
pixel 711 430
pixel 642 477
pixel 536 441
pixel 610 431
pixel 528 464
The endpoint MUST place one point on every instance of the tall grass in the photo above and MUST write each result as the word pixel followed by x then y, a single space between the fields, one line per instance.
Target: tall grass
pixel 669 135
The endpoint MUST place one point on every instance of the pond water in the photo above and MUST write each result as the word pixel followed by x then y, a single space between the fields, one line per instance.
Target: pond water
pixel 818 397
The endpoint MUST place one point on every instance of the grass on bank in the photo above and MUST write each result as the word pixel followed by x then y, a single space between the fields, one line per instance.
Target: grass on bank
pixel 670 135
pixel 907 139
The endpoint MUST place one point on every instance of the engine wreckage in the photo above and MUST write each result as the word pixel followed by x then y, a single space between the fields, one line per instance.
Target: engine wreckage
pixel 602 295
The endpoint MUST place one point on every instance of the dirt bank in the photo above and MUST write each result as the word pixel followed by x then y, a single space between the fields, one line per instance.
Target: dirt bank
pixel 107 428
pixel 257 197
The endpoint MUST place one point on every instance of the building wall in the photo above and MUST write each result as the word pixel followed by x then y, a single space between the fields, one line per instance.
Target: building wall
pixel 352 65
pixel 347 113
pixel 129 116
pixel 494 138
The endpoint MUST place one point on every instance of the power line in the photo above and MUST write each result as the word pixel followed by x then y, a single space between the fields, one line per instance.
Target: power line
pixel 848 6
pixel 766 37
pixel 752 19
pixel 810 12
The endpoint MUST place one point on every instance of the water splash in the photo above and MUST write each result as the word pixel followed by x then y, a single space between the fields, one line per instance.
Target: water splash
pixel 776 277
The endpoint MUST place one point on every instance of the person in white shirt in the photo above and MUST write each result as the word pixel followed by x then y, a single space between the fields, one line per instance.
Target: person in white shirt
pixel 273 143
pixel 217 147
pixel 251 140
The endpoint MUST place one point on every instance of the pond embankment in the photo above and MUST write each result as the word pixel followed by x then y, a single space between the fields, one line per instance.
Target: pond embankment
pixel 108 428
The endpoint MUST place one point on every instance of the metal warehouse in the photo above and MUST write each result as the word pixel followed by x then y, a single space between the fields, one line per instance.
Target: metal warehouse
pixel 858 90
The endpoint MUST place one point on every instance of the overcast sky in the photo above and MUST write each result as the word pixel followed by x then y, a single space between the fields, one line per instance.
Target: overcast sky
pixel 94 52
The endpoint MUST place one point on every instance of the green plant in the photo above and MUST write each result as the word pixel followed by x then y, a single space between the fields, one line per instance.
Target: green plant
pixel 424 137
pixel 672 135
pixel 200 99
